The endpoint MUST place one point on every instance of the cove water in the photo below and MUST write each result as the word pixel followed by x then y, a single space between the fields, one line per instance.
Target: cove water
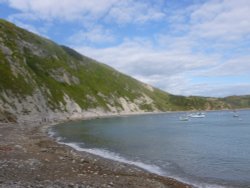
pixel 206 152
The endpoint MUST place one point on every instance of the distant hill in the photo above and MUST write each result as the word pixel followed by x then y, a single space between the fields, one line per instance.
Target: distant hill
pixel 238 101
pixel 42 81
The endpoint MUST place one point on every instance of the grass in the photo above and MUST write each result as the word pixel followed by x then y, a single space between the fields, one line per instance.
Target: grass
pixel 41 58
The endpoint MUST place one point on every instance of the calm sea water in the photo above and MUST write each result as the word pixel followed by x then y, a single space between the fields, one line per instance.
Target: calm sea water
pixel 207 152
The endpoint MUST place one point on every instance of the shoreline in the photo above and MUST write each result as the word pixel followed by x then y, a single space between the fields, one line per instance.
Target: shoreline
pixel 30 157
pixel 172 182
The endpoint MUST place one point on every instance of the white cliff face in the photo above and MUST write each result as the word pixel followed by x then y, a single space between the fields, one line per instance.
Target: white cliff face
pixel 149 87
pixel 25 108
pixel 71 106
pixel 35 108
pixel 129 106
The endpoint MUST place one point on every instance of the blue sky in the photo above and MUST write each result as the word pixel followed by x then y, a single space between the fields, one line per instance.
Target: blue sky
pixel 186 47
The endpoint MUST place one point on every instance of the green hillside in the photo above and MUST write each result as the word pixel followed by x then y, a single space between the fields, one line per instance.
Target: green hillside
pixel 238 101
pixel 39 77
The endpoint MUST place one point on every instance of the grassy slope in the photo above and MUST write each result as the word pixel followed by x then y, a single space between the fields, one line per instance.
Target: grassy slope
pixel 238 101
pixel 98 85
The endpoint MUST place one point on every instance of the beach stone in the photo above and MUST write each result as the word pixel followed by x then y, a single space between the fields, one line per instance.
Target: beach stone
pixel 18 147
pixel 111 183
pixel 33 162
pixel 84 161
pixel 43 150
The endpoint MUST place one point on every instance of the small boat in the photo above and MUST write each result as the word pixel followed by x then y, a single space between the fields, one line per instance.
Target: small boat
pixel 197 115
pixel 183 118
pixel 236 115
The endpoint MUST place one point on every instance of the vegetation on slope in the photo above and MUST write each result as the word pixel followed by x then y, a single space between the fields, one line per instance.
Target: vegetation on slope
pixel 30 63
pixel 238 101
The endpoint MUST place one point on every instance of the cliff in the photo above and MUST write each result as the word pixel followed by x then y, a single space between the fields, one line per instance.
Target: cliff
pixel 41 81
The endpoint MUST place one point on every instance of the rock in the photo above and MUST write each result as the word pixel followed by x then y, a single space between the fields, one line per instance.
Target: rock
pixel 111 183
pixel 18 147
pixel 33 162
pixel 43 150
pixel 84 161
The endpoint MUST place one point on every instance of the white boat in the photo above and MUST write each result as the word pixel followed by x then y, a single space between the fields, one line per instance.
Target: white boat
pixel 236 115
pixel 183 118
pixel 197 115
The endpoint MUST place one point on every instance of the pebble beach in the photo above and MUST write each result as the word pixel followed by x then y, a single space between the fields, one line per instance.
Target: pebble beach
pixel 30 158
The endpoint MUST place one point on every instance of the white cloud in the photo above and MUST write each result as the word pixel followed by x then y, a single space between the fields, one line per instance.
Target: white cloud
pixel 238 66
pixel 65 10
pixel 96 34
pixel 139 56
pixel 217 90
pixel 125 11
pixel 27 27
pixel 39 30
pixel 22 16
pixel 134 12
pixel 170 70
pixel 222 19
pixel 174 84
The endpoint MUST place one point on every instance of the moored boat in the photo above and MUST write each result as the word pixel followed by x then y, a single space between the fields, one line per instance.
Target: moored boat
pixel 183 118
pixel 236 115
pixel 197 115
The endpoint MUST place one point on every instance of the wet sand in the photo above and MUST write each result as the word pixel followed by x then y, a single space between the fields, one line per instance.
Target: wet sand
pixel 30 158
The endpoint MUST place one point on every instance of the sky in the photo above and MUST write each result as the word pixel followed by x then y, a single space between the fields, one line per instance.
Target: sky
pixel 184 47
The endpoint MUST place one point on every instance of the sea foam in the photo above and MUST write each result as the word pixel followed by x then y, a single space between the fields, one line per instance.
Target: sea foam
pixel 148 167
pixel 116 157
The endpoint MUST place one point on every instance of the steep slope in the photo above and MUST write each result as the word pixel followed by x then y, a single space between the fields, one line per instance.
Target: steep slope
pixel 42 81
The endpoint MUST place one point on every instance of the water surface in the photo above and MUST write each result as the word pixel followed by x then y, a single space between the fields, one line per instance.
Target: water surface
pixel 207 152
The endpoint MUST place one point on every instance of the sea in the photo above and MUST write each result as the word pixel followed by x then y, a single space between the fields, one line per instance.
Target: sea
pixel 213 151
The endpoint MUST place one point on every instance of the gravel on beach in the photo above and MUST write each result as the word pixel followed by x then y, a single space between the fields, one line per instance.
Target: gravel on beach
pixel 30 158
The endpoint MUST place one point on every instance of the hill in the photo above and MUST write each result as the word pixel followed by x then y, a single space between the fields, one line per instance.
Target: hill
pixel 42 81
pixel 238 101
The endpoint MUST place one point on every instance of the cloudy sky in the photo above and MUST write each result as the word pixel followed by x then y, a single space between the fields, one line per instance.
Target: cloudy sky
pixel 187 47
